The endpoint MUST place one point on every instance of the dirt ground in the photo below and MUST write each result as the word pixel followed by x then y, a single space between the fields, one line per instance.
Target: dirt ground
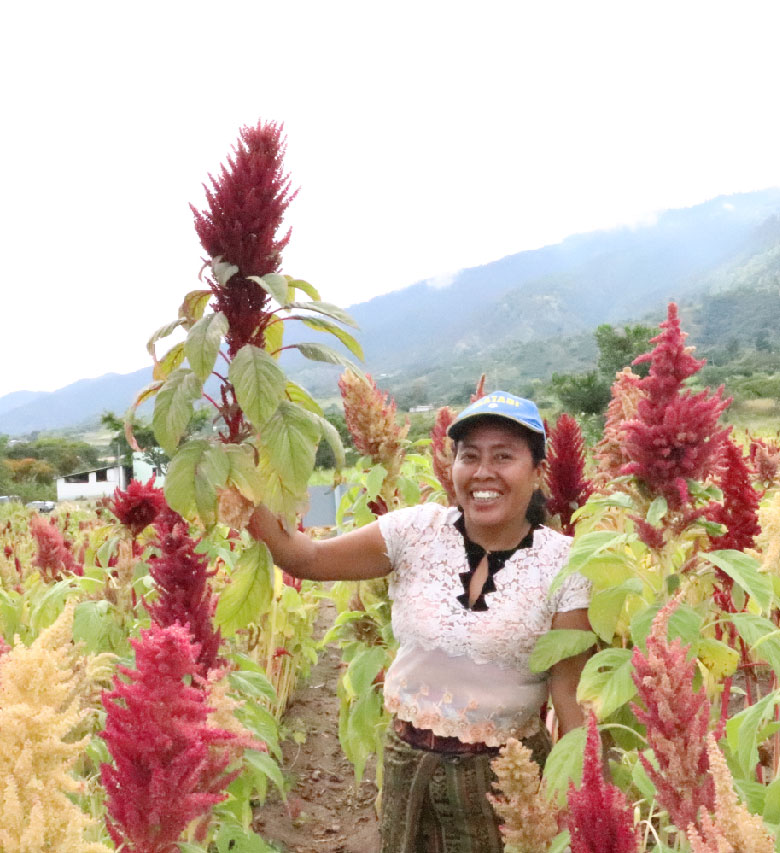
pixel 324 812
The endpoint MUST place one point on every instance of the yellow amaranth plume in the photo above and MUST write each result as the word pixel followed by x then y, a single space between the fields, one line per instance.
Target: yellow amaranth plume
pixel 530 820
pixel 768 541
pixel 40 707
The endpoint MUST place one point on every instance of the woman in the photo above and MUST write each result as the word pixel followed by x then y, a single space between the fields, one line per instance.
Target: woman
pixel 470 598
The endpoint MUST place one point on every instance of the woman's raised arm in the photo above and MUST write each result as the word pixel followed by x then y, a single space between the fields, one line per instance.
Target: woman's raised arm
pixel 357 555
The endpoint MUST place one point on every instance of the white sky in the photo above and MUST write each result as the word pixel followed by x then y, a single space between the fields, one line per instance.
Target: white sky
pixel 425 137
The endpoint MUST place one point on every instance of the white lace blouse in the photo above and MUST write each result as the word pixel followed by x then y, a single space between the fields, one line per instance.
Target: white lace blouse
pixel 461 672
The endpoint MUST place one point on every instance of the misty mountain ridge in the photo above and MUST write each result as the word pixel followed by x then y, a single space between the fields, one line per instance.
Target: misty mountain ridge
pixel 502 310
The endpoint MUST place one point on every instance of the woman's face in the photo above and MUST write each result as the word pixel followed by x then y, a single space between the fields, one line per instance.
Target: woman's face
pixel 494 477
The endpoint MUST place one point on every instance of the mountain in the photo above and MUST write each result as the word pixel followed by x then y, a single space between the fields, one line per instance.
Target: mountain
pixel 520 317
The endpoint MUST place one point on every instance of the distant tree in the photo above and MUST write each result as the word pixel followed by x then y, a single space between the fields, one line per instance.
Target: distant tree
pixel 63 455
pixel 582 393
pixel 762 341
pixel 35 470
pixel 619 347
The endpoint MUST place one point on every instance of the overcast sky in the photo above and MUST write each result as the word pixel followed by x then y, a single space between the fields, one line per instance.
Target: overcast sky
pixel 425 137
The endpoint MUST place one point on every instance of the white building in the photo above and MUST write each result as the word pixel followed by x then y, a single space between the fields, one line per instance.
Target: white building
pixel 97 483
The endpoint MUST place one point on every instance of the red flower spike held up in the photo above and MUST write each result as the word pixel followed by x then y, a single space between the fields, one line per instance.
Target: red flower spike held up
pixel 182 578
pixel 170 766
pixel 138 506
pixel 739 510
pixel 600 818
pixel 567 485
pixel 677 720
pixel 675 435
pixel 246 206
pixel 442 450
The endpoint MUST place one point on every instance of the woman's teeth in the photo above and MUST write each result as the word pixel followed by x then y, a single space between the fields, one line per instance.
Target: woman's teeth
pixel 484 495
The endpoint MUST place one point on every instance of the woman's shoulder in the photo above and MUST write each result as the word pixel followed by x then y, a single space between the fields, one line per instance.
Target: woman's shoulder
pixel 552 541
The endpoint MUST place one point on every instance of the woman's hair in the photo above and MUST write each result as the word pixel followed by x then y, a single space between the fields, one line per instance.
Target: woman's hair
pixel 536 514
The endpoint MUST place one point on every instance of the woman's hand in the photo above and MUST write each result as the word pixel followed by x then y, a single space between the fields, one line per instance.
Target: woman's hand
pixel 565 675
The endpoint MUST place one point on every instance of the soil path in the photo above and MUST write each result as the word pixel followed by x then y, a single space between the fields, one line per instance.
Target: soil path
pixel 325 812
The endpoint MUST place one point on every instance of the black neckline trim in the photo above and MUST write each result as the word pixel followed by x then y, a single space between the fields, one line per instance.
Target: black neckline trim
pixel 496 561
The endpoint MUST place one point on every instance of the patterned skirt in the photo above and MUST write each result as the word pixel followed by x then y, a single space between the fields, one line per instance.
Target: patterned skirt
pixel 434 802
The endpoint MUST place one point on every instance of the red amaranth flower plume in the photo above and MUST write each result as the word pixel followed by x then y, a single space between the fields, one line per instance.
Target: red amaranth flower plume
pixel 479 392
pixel 739 510
pixel 675 435
pixel 246 206
pixel 567 486
pixel 677 719
pixel 182 579
pixel 442 450
pixel 600 818
pixel 138 506
pixel 169 765
pixel 54 555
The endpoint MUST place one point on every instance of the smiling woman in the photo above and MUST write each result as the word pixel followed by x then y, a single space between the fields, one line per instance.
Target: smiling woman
pixel 469 586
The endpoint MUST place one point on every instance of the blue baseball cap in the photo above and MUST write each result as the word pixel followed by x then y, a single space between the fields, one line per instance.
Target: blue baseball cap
pixel 499 404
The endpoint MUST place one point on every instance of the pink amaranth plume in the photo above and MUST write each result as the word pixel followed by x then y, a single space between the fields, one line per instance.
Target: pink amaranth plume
pixel 441 448
pixel 182 579
pixel 677 720
pixel 138 506
pixel 169 765
pixel 675 435
pixel 567 486
pixel 600 818
pixel 54 555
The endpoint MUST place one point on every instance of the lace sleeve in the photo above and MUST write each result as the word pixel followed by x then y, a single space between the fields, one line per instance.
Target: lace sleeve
pixel 574 593
pixel 393 527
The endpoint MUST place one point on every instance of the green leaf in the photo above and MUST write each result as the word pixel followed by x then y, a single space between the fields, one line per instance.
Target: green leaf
pixel 223 270
pixel 243 473
pixel 319 324
pixel 286 448
pixel 169 362
pixel 95 625
pixel 684 623
pixel 259 383
pixel 249 592
pixel 657 510
pixel 742 728
pixel 564 764
pixel 274 337
pixel 296 394
pixel 162 332
pixel 771 810
pixel 193 306
pixel 744 570
pixel 253 684
pixel 606 606
pixel 606 681
pixel 194 475
pixel 332 437
pixel 299 284
pixel 761 636
pixel 274 284
pixel 326 308
pixel 173 408
pixel 558 644
pixel 263 763
pixel 49 606
pixel 585 549
pixel 374 479
pixel 202 344
pixel 320 352
pixel 364 668
pixel 560 844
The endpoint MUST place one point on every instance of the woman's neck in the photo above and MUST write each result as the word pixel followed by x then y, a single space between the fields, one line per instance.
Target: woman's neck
pixel 503 538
